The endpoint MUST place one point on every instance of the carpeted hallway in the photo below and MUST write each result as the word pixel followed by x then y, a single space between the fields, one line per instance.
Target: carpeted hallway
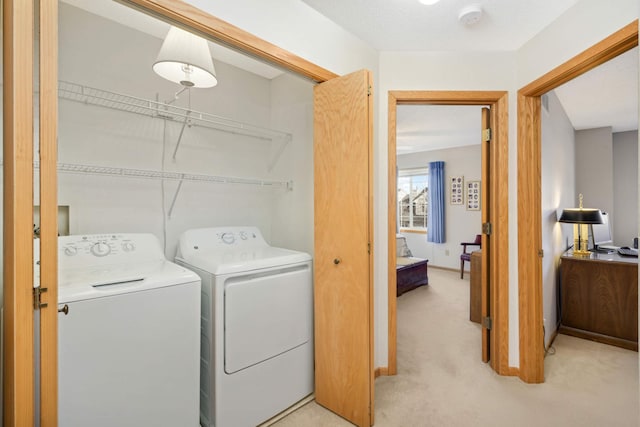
pixel 442 382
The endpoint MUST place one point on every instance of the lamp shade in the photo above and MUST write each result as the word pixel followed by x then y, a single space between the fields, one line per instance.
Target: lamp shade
pixel 581 216
pixel 185 58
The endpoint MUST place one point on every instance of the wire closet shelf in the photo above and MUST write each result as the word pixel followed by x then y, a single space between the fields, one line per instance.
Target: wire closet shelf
pixel 72 168
pixel 162 110
pixel 99 97
pixel 180 177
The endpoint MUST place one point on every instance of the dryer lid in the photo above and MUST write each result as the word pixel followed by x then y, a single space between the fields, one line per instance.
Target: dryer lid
pixel 219 262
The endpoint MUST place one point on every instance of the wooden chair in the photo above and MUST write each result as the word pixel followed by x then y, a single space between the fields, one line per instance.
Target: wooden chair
pixel 466 256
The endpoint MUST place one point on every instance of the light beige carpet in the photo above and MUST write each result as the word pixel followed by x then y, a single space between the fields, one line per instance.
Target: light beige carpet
pixel 442 382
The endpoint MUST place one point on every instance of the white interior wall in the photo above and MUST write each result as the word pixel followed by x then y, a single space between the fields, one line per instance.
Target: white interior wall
pixel 624 222
pixel 292 111
pixel 461 225
pixel 594 168
pixel 106 55
pixel 558 192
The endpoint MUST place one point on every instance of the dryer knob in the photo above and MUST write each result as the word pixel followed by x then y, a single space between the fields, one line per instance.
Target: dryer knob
pixel 228 238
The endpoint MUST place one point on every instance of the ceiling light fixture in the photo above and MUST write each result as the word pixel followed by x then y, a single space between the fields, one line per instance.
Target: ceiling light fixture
pixel 429 2
pixel 470 15
pixel 185 58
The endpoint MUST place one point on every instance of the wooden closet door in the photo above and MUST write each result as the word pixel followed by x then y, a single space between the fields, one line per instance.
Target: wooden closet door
pixel 343 291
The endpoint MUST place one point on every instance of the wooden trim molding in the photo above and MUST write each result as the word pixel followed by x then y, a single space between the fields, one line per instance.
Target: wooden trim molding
pixel 499 247
pixel 392 202
pixel 406 230
pixel 49 211
pixel 529 191
pixel 194 19
pixel 18 52
pixel 499 250
pixel 513 371
pixel 612 46
pixel 381 371
pixel 530 240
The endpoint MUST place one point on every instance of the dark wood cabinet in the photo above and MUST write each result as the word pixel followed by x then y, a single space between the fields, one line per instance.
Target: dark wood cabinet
pixel 411 275
pixel 599 298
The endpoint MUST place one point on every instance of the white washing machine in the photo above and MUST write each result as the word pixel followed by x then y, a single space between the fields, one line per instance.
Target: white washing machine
pixel 129 342
pixel 257 324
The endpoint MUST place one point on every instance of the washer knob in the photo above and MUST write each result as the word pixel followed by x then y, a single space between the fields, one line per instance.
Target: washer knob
pixel 100 249
pixel 243 235
pixel 228 238
pixel 128 246
pixel 70 250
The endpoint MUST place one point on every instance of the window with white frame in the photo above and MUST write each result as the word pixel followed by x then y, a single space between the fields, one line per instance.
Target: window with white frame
pixel 413 198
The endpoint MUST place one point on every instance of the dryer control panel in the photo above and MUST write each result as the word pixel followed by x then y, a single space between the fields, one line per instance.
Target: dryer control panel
pixel 221 238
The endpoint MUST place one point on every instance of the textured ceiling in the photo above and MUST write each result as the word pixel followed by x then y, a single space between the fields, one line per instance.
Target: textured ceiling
pixel 435 127
pixel 409 25
pixel 605 96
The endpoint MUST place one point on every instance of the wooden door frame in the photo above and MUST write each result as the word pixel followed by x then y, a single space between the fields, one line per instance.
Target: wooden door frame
pixel 499 200
pixel 529 191
pixel 18 18
pixel 18 351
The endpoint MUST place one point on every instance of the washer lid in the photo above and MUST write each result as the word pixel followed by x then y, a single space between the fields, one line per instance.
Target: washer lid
pixel 89 283
pixel 220 262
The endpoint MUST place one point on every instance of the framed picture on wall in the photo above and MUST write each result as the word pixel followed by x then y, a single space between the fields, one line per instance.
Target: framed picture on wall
pixel 473 195
pixel 456 188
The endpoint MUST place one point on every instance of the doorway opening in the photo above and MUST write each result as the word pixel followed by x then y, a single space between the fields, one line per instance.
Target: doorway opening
pixel 529 190
pixel 495 258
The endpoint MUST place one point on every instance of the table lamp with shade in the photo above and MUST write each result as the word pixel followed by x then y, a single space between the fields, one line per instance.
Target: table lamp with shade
pixel 581 218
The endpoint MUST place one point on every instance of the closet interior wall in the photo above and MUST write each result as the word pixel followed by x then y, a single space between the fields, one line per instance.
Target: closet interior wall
pixel 103 54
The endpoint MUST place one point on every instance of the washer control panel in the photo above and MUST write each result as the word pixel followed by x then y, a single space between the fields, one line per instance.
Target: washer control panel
pixel 99 249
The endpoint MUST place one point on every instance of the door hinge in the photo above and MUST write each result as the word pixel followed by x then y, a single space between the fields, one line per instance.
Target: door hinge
pixel 487 228
pixel 368 248
pixel 487 323
pixel 541 253
pixel 37 298
pixel 369 90
pixel 486 135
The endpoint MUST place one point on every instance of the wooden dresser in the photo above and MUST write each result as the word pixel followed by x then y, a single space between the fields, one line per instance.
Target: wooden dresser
pixel 599 298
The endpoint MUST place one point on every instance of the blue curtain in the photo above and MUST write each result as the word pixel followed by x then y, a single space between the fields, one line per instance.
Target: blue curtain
pixel 435 221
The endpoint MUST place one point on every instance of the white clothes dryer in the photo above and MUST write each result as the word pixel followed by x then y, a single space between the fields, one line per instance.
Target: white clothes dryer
pixel 257 324
pixel 128 336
